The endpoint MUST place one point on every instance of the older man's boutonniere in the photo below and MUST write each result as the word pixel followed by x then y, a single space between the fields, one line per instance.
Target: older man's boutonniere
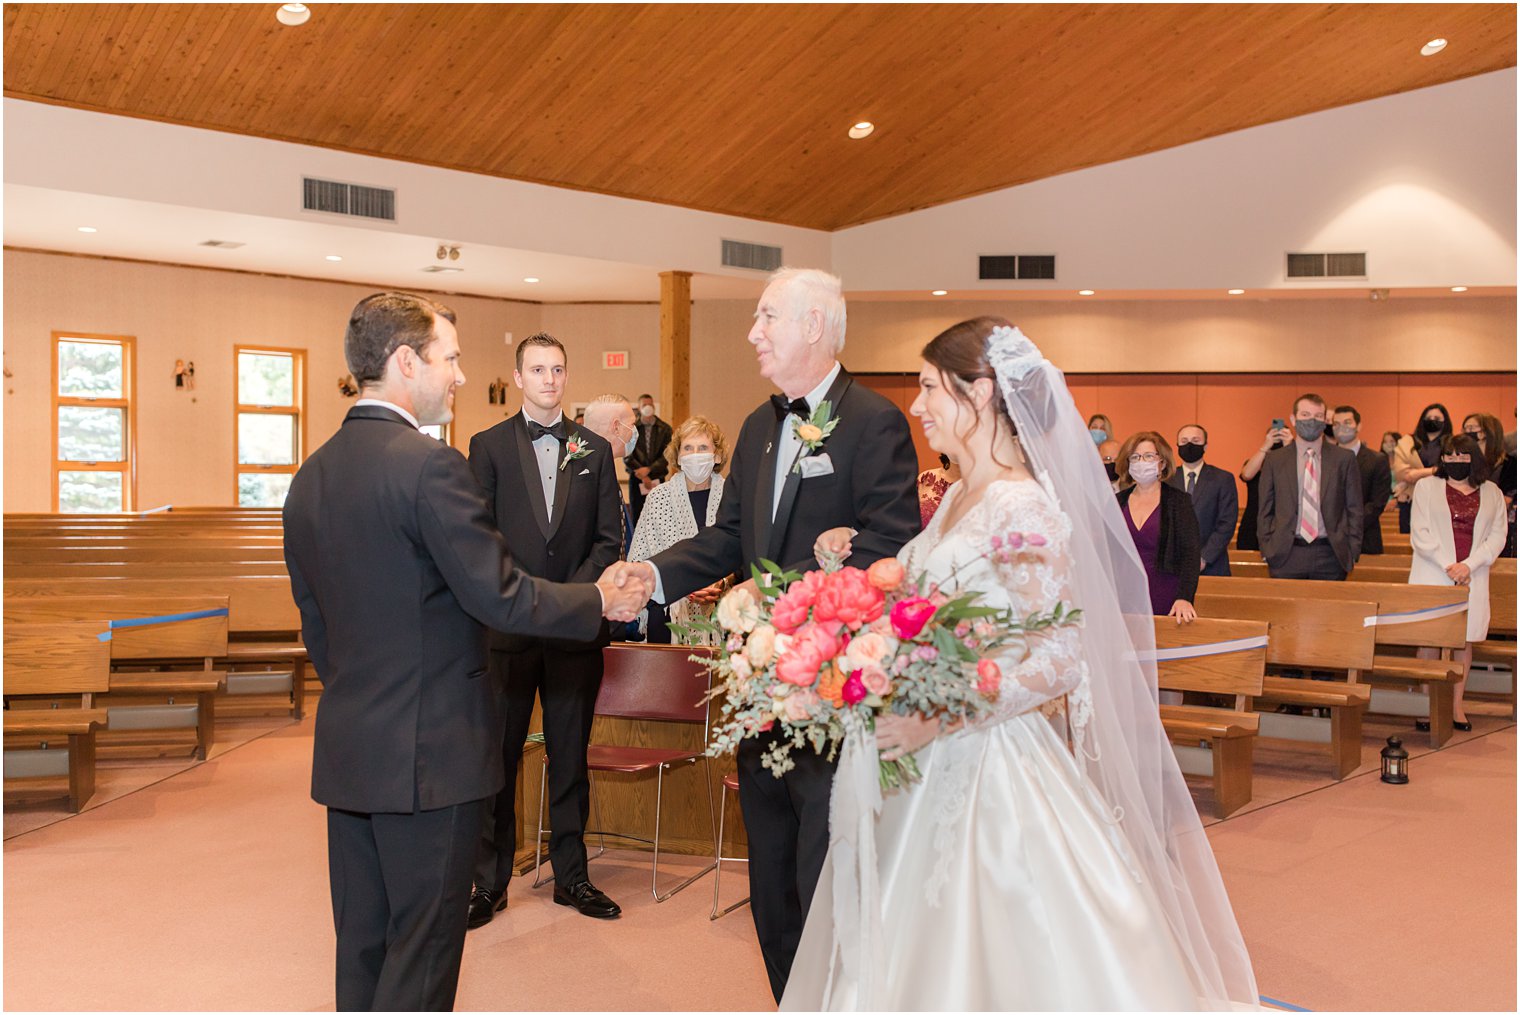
pixel 813 432
pixel 576 448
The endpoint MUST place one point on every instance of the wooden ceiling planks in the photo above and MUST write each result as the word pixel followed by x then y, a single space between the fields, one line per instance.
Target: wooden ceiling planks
pixel 742 109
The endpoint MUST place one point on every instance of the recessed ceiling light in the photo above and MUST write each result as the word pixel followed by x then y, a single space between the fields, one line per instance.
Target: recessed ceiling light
pixel 862 129
pixel 334 257
pixel 1432 47
pixel 530 280
pixel 88 229
pixel 1237 292
pixel 1084 292
pixel 1459 288
pixel 940 292
pixel 292 14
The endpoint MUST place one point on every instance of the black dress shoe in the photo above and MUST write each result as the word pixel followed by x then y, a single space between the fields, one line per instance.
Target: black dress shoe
pixel 583 895
pixel 484 904
pixel 1461 724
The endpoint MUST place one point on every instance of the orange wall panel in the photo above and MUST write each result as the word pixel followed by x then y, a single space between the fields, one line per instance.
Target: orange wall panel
pixel 1160 402
pixel 1375 396
pixel 1460 393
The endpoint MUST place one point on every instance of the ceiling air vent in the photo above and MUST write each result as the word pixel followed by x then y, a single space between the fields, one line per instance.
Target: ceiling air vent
pixel 348 199
pixel 1327 265
pixel 1016 266
pixel 754 256
pixel 221 244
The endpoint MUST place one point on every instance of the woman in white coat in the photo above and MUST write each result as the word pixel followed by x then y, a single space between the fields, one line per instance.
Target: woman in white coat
pixel 1457 529
pixel 678 509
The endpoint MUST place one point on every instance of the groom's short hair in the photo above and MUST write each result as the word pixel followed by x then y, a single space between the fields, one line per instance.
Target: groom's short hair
pixel 808 289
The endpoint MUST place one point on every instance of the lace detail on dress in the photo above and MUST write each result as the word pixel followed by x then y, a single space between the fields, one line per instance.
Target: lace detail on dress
pixel 951 784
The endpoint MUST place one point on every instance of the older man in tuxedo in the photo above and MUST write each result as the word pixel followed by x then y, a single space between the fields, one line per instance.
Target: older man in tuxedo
pixel 1310 519
pixel 779 497
pixel 395 567
pixel 1215 501
pixel 552 490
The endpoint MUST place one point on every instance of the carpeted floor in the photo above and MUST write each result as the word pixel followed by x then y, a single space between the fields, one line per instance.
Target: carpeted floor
pixel 208 890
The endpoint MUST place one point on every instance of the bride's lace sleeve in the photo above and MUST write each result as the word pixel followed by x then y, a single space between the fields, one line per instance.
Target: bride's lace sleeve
pixel 1035 579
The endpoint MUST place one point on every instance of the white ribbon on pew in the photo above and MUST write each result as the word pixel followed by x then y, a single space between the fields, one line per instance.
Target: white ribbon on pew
pixel 1213 648
pixel 1414 616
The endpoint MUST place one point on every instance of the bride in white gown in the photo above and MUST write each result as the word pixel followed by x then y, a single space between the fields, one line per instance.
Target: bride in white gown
pixel 1023 872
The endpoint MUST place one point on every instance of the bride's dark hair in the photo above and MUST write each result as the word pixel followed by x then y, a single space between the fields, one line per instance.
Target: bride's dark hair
pixel 959 353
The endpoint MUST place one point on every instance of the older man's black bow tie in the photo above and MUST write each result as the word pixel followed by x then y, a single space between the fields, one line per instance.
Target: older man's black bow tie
pixel 557 431
pixel 796 407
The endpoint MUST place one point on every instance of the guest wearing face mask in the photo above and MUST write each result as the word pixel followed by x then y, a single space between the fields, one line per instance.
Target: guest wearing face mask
pixel 1489 433
pixel 1418 453
pixel 1376 473
pixel 1310 519
pixel 1109 452
pixel 1212 492
pixel 1161 522
pixel 678 509
pixel 1457 530
pixel 1250 475
pixel 647 462
pixel 1101 428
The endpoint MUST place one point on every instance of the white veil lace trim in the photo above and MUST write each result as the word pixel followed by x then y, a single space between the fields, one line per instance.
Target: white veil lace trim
pixel 1125 752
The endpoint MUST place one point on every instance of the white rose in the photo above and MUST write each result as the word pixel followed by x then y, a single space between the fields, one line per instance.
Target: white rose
pixel 868 649
pixel 737 611
pixel 740 666
pixel 761 648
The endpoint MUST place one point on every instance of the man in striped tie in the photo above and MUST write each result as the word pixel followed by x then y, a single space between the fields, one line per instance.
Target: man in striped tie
pixel 1310 522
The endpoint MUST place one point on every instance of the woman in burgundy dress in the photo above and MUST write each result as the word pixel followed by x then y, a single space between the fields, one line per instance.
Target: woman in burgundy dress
pixel 1162 523
pixel 932 484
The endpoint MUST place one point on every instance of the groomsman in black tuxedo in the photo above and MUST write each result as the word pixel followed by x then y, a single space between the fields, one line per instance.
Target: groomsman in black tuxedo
pixel 394 564
pixel 779 497
pixel 552 490
pixel 1373 467
pixel 1216 503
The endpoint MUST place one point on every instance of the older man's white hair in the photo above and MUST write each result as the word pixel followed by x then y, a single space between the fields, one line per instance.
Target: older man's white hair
pixel 602 410
pixel 810 289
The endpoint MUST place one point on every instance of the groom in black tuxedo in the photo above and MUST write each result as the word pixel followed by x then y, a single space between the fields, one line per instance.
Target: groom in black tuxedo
pixel 395 565
pixel 552 490
pixel 779 497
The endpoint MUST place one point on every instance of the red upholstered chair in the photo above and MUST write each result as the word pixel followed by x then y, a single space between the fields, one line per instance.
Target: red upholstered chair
pixel 730 785
pixel 649 682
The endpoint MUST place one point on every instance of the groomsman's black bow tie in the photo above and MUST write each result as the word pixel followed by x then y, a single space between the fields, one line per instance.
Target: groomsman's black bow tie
pixel 557 431
pixel 796 407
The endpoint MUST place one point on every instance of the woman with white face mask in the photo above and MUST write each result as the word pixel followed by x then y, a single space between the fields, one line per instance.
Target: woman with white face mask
pixel 678 509
pixel 1161 522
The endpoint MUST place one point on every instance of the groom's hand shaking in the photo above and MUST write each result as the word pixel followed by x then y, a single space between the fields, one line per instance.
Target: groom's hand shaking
pixel 625 590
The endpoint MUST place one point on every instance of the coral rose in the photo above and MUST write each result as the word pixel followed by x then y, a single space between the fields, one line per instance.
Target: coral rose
pixel 761 648
pixel 738 611
pixel 854 691
pixel 988 678
pixel 876 681
pixel 910 615
pixel 886 574
pixel 811 650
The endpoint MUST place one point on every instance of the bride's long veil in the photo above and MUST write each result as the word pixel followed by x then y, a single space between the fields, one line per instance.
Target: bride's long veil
pixel 1124 749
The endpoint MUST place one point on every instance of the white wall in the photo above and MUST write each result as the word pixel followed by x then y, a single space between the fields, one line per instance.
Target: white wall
pixel 1424 182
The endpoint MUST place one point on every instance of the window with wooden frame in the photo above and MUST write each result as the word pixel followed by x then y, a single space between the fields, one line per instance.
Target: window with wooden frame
pixel 94 422
pixel 269 422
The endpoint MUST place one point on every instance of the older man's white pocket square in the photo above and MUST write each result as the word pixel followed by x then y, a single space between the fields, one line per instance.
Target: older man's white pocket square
pixel 817 465
pixel 584 472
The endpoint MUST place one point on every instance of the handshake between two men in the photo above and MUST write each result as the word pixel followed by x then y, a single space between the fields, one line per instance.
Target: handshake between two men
pixel 626 588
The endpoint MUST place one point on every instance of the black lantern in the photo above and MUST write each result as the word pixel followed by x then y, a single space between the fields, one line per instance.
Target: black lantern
pixel 1395 762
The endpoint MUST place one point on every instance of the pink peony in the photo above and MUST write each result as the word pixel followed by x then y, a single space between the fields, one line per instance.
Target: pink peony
pixel 812 649
pixel 886 574
pixel 910 615
pixel 988 678
pixel 847 598
pixel 854 690
pixel 792 606
pixel 876 681
pixel 798 706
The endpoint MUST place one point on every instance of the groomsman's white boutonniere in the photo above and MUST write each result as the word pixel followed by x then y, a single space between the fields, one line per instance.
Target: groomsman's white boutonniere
pixel 576 448
pixel 813 432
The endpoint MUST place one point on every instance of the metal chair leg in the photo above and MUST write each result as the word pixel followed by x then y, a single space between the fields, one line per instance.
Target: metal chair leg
pixel 654 870
pixel 538 841
pixel 718 859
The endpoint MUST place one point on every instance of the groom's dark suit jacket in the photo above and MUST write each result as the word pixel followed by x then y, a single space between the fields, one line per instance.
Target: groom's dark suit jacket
pixel 873 488
pixel 395 566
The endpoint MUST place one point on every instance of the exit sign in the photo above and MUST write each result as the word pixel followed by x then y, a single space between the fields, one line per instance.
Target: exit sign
pixel 614 361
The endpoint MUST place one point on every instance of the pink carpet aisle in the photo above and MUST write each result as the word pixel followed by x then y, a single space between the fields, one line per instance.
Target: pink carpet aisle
pixel 207 890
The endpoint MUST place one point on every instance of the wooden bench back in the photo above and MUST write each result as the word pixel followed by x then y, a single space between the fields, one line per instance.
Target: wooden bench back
pixel 60 658
pixel 1315 633
pixel 1391 598
pixel 149 571
pixel 258 603
pixel 197 638
pixel 1237 673
pixel 181 552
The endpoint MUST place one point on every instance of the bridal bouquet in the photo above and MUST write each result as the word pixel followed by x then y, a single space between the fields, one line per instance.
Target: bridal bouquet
pixel 821 650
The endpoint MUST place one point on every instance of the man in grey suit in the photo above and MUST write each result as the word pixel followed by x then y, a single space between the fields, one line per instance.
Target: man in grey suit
pixel 1376 473
pixel 1215 500
pixel 1310 522
pixel 395 567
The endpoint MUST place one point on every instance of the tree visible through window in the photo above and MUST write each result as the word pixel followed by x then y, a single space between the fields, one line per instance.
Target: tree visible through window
pixel 93 433
pixel 270 423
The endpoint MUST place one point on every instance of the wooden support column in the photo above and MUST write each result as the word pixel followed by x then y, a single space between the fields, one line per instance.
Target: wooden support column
pixel 675 346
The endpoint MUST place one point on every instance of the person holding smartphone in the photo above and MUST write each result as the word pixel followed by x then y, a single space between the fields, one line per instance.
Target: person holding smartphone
pixel 1278 435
